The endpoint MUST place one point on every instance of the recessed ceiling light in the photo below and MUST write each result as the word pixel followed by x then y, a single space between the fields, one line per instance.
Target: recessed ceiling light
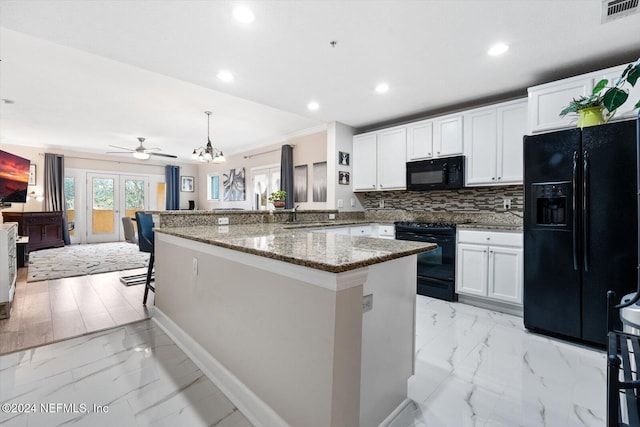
pixel 382 88
pixel 313 106
pixel 243 14
pixel 225 76
pixel 498 49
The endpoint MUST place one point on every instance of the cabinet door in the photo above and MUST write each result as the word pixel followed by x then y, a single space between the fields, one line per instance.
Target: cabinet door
pixel 448 136
pixel 480 146
pixel 512 126
pixel 420 141
pixel 364 162
pixel 471 270
pixel 505 274
pixel 546 102
pixel 392 168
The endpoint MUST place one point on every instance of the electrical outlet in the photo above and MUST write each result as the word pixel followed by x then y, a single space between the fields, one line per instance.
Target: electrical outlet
pixel 332 216
pixel 223 221
pixel 381 203
pixel 223 229
pixel 506 203
pixel 353 202
pixel 340 203
pixel 367 303
pixel 195 266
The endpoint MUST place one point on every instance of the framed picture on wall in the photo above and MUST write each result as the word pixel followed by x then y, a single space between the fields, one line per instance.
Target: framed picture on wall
pixel 187 184
pixel 32 174
pixel 343 178
pixel 343 158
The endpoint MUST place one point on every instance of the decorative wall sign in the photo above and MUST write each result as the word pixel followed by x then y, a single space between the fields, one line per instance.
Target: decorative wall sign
pixel 32 175
pixel 233 185
pixel 343 158
pixel 343 178
pixel 320 182
pixel 300 183
pixel 187 183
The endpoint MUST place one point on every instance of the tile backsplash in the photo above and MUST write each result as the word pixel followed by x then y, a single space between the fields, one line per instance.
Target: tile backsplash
pixel 474 203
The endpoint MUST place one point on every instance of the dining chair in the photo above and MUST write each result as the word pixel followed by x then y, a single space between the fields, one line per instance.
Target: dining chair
pixel 146 244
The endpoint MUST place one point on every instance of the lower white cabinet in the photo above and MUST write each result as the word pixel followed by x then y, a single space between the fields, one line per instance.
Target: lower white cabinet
pixel 489 264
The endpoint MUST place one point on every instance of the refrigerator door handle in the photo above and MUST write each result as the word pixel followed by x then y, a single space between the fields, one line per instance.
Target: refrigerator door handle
pixel 585 209
pixel 574 201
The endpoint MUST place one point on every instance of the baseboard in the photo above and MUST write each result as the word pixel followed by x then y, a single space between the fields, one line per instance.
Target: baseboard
pixel 255 409
pixel 503 307
pixel 392 416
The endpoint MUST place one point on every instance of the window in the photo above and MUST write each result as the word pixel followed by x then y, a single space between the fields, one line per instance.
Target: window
pixel 213 190
pixel 265 182
pixel 70 201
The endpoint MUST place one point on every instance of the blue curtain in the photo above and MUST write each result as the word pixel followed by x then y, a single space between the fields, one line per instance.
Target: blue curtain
pixel 286 175
pixel 172 179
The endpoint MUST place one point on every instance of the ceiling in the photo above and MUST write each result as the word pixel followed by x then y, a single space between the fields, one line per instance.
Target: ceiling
pixel 86 74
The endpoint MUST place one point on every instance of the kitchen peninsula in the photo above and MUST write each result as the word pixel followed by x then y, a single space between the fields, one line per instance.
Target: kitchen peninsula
pixel 275 314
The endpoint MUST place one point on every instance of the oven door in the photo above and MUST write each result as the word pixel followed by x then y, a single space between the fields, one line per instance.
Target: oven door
pixel 438 263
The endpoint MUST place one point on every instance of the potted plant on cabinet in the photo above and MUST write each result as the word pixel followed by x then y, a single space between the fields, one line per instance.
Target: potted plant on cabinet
pixel 591 108
pixel 278 198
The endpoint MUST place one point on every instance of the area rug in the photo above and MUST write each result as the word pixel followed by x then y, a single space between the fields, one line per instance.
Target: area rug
pixel 80 260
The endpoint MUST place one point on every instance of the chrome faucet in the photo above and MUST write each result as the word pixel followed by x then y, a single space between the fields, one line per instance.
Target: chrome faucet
pixel 294 214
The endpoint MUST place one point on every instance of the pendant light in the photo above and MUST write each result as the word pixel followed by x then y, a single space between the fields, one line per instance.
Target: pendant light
pixel 208 153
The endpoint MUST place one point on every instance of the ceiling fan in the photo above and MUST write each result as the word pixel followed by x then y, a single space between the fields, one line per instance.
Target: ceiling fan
pixel 141 152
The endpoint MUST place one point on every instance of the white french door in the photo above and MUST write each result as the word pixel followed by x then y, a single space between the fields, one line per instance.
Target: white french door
pixel 110 197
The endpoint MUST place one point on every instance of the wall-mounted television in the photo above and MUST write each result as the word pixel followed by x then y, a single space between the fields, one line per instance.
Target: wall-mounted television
pixel 14 178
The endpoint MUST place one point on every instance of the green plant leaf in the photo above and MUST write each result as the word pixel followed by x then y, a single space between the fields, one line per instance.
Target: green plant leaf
pixel 637 105
pixel 601 84
pixel 634 75
pixel 614 97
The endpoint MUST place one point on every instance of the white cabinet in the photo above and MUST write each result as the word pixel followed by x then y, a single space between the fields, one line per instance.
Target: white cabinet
pixel 493 143
pixel 8 266
pixel 490 265
pixel 420 140
pixel 547 100
pixel 364 159
pixel 448 135
pixel 379 160
pixel 392 168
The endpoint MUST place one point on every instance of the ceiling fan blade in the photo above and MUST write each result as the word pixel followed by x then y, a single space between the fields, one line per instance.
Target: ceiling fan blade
pixel 163 155
pixel 118 152
pixel 121 148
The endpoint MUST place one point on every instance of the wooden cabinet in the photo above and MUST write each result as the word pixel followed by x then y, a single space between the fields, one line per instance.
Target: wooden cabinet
pixel 493 143
pixel 420 140
pixel 44 229
pixel 490 265
pixel 547 100
pixel 379 160
pixel 8 267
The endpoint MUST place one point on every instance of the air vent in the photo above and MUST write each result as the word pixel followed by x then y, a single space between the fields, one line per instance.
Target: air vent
pixel 614 9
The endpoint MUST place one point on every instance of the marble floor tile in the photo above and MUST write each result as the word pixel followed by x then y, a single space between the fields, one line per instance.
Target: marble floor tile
pixel 132 375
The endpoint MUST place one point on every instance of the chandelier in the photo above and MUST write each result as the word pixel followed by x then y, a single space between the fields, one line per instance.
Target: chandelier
pixel 209 153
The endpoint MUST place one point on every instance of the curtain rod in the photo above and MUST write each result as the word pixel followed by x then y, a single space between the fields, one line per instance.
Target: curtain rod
pixel 103 160
pixel 266 152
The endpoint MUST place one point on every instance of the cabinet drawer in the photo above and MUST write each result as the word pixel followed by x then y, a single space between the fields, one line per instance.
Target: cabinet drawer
pixel 42 220
pixel 364 230
pixel 386 230
pixel 490 238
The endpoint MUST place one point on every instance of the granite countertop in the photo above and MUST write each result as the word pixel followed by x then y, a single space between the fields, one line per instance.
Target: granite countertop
pixel 295 244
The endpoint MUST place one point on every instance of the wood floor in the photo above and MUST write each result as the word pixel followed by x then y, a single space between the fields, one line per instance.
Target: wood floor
pixel 54 310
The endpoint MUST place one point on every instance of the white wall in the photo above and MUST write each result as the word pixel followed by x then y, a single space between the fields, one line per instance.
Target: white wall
pixel 308 149
pixel 341 197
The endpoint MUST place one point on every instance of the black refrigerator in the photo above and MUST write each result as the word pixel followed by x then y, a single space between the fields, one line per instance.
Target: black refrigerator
pixel 580 228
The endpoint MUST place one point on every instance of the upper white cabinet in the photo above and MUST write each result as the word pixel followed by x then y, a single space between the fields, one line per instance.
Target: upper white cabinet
pixel 493 143
pixel 365 157
pixel 379 160
pixel 547 100
pixel 420 140
pixel 448 135
pixel 438 137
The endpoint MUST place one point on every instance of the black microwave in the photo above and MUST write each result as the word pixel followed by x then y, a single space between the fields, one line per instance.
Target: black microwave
pixel 437 174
